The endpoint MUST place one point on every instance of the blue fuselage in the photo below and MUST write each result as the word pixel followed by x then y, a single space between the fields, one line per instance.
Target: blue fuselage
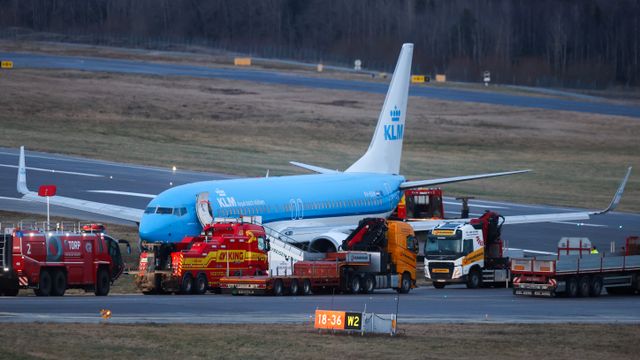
pixel 301 199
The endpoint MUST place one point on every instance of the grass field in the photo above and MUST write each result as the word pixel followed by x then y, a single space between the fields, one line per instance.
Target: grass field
pixel 259 341
pixel 245 128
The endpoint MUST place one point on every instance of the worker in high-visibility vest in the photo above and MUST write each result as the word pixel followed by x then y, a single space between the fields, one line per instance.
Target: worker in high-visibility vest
pixel 594 250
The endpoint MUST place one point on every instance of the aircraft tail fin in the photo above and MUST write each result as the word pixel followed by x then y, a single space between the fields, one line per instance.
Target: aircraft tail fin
pixel 385 150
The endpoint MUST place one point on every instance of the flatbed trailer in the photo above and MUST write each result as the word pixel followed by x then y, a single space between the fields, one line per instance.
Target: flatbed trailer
pixel 579 274
pixel 379 254
pixel 348 271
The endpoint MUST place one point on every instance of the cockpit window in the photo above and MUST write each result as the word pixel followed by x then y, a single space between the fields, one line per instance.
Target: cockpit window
pixel 150 210
pixel 164 211
pixel 180 211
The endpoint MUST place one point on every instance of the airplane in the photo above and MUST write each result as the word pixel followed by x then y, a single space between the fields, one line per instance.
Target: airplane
pixel 314 208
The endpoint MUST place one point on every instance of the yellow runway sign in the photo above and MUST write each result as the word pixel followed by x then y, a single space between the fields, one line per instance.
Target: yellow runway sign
pixel 416 79
pixel 6 64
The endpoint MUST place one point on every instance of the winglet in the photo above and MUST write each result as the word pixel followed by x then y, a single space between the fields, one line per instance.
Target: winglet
pixel 616 198
pixel 22 174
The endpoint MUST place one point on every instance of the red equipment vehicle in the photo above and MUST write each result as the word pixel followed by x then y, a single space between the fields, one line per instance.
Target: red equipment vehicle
pixel 420 204
pixel 197 263
pixel 50 262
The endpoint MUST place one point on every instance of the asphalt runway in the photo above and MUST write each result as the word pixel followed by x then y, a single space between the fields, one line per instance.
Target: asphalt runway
pixel 27 60
pixel 422 305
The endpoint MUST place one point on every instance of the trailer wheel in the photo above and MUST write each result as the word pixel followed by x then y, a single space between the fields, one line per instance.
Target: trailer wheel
pixel 405 284
pixel 306 287
pixel 596 286
pixel 438 285
pixel 474 280
pixel 59 283
pixel 354 283
pixel 278 287
pixel 584 283
pixel 44 286
pixel 369 284
pixel 103 283
pixel 295 287
pixel 186 285
pixel 201 284
pixel 572 287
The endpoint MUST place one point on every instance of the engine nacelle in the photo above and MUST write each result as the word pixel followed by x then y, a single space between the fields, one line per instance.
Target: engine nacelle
pixel 327 242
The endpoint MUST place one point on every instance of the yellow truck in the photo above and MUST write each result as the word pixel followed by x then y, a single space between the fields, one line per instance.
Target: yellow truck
pixel 379 254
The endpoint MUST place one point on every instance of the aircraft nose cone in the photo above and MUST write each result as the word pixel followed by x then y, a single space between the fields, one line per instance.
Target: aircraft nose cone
pixel 151 230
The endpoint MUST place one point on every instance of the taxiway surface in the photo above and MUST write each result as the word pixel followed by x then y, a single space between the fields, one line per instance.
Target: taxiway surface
pixel 42 61
pixel 422 305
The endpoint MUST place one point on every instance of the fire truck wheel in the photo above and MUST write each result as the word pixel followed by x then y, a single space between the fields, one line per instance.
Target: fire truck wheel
pixel 355 283
pixel 59 283
pixel 278 287
pixel 405 284
pixel 474 280
pixel 306 287
pixel 103 283
pixel 438 285
pixel 295 287
pixel 369 284
pixel 583 286
pixel 201 284
pixel 187 284
pixel 44 286
pixel 572 287
pixel 596 286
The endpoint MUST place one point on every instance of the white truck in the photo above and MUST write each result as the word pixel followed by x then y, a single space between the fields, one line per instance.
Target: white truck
pixel 468 253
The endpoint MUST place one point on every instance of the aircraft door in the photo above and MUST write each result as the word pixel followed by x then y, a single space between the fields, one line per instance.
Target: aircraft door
pixel 297 209
pixel 203 208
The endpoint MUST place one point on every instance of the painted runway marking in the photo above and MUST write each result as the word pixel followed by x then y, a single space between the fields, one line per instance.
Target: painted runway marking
pixel 127 193
pixel 53 171
pixel 10 198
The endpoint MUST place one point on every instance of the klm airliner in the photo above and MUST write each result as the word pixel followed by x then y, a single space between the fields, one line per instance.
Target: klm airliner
pixel 312 208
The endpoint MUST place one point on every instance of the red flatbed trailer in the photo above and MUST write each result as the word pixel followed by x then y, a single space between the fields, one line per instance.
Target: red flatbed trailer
pixel 388 262
pixel 308 276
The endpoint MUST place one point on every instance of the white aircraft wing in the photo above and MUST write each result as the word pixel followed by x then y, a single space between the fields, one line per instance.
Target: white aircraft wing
pixel 313 168
pixel 119 212
pixel 432 182
pixel 538 218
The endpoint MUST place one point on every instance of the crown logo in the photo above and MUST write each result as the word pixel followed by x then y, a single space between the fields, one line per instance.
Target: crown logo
pixel 395 114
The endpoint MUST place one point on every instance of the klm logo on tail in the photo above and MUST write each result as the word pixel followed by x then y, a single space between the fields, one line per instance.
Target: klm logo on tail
pixel 394 131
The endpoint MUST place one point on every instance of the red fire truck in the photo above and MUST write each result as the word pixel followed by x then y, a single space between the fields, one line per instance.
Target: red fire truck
pixel 50 262
pixel 197 263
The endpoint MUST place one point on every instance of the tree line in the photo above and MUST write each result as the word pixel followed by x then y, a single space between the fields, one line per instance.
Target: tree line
pixel 579 43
